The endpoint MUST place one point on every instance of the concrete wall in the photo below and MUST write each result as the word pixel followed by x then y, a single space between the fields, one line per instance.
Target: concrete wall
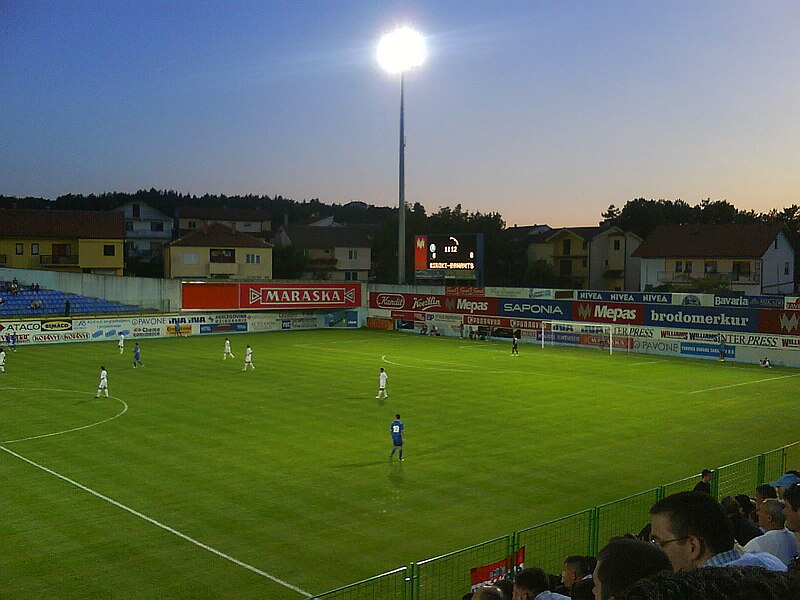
pixel 149 294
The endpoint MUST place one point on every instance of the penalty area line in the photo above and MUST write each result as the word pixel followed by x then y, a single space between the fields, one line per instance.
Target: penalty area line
pixel 723 387
pixel 167 528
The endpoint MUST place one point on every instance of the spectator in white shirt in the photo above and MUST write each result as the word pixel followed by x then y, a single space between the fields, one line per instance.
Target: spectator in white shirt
pixel 777 539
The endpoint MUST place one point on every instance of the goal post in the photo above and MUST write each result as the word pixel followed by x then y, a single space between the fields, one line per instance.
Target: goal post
pixel 578 333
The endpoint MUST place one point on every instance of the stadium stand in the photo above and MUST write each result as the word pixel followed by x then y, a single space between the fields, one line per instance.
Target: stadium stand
pixel 54 302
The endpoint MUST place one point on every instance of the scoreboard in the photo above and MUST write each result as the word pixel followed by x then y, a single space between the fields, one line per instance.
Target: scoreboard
pixel 443 256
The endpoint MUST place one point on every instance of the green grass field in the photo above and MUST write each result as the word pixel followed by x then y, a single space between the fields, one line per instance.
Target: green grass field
pixel 285 469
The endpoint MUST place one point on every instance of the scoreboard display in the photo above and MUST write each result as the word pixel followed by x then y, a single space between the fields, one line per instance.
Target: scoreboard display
pixel 443 256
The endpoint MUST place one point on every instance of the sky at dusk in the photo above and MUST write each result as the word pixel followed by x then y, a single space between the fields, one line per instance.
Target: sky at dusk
pixel 543 111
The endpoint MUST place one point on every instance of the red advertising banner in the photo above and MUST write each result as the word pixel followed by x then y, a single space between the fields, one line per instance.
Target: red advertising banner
pixel 608 312
pixel 433 303
pixel 209 296
pixel 464 290
pixel 270 296
pixel 299 295
pixel 784 322
pixel 420 253
pixel 494 572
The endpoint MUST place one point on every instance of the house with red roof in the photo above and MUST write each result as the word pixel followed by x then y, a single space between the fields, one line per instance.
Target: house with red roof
pixel 755 258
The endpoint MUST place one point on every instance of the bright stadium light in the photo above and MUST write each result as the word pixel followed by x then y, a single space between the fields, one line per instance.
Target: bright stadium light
pixel 399 51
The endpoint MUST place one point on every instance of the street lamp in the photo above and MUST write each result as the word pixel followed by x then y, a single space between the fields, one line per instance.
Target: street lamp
pixel 399 51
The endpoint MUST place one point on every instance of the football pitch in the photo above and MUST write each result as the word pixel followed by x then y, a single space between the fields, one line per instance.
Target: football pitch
pixel 198 480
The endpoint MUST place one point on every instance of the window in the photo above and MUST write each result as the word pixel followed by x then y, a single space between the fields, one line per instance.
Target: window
pixel 565 247
pixel 223 255
pixel 253 259
pixel 565 267
pixel 678 266
pixel 136 209
pixel 786 268
pixel 109 250
pixel 585 244
pixel 190 258
pixel 192 224
pixel 326 252
pixel 20 249
pixel 352 254
pixel 617 244
pixel 688 268
pixel 128 225
pixel 34 249
pixel 710 267
pixel 156 226
pixel 62 249
pixel 351 275
pixel 741 268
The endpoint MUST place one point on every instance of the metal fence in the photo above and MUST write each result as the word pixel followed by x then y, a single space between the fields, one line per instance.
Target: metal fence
pixel 546 545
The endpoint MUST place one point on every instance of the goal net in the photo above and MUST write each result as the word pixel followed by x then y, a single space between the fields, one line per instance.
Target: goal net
pixel 576 333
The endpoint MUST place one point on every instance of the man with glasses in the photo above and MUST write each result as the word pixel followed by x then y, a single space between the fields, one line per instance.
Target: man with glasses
pixel 691 528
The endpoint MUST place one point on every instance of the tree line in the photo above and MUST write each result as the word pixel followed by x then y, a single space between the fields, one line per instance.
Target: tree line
pixel 505 258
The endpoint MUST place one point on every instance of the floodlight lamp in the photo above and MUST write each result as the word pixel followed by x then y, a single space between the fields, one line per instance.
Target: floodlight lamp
pixel 401 50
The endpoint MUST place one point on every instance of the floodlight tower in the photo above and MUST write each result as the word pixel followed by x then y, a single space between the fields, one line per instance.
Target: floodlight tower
pixel 399 51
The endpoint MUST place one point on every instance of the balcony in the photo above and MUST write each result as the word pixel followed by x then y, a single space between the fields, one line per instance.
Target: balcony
pixel 740 278
pixel 222 268
pixel 52 260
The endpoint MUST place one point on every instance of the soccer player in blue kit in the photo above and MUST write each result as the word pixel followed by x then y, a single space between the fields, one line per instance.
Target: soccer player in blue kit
pixel 397 430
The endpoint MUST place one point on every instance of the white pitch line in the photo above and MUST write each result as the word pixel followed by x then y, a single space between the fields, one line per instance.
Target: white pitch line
pixel 136 513
pixel 722 387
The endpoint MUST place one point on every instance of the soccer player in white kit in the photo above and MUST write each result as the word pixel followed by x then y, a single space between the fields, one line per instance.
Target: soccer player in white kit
pixel 103 385
pixel 248 359
pixel 121 344
pixel 227 351
pixel 2 361
pixel 382 378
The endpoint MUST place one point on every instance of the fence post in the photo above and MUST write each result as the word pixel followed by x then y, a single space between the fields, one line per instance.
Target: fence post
pixel 513 546
pixel 762 468
pixel 594 531
pixel 715 484
pixel 660 493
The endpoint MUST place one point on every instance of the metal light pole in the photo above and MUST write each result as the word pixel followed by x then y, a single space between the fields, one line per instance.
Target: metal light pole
pixel 401 202
pixel 399 51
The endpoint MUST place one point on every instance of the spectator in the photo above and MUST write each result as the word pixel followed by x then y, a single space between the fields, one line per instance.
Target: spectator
pixel 582 590
pixel 729 583
pixel 791 509
pixel 763 492
pixel 785 481
pixel 704 485
pixel 747 507
pixel 2 301
pixel 36 304
pixel 507 587
pixel 624 561
pixel 36 287
pixel 744 529
pixel 424 329
pixel 489 592
pixel 777 540
pixel 576 567
pixel 765 362
pixel 693 531
pixel 67 306
pixel 533 584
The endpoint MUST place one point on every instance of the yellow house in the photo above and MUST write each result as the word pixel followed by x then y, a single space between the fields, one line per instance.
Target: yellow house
pixel 216 251
pixel 76 241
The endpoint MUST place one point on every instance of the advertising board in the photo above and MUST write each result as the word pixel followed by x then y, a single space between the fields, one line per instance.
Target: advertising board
pixel 608 312
pixel 701 317
pixel 536 308
pixel 269 296
pixel 433 303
